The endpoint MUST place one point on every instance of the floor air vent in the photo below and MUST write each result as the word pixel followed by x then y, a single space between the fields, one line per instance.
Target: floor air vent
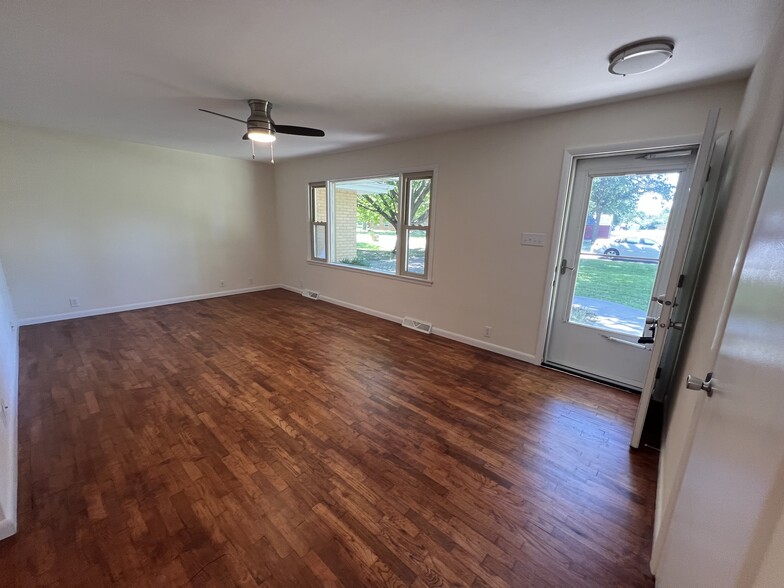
pixel 417 325
pixel 312 294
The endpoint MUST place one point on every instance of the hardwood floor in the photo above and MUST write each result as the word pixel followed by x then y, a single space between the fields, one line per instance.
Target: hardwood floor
pixel 269 439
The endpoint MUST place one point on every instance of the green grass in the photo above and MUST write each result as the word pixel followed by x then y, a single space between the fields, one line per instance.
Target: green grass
pixel 624 282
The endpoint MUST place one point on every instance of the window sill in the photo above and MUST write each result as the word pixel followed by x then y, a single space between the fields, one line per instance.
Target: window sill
pixel 364 272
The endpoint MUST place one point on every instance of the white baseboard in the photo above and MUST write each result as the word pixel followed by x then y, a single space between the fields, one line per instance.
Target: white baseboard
pixel 35 320
pixel 507 351
pixel 364 309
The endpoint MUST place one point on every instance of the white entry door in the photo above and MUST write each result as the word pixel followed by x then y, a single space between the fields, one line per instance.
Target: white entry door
pixel 622 231
pixel 731 495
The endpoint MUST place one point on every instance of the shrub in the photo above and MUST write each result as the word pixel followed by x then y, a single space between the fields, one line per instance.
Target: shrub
pixel 355 261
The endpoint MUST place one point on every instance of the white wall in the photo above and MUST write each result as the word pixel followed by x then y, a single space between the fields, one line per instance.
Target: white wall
pixel 492 184
pixel 747 163
pixel 9 373
pixel 115 223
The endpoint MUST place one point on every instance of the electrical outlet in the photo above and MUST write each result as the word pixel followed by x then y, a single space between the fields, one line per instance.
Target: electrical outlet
pixel 488 332
pixel 74 302
pixel 250 281
pixel 222 284
pixel 532 239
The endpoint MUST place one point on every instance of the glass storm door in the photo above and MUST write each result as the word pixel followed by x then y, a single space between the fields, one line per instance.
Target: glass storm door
pixel 621 234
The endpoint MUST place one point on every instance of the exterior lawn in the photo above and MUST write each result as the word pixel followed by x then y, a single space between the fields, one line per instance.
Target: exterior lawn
pixel 625 282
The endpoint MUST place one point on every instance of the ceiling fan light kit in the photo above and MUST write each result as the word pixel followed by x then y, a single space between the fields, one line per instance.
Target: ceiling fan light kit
pixel 260 136
pixel 260 126
pixel 640 57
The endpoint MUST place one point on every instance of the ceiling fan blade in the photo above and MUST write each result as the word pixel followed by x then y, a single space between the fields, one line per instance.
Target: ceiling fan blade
pixel 304 131
pixel 223 115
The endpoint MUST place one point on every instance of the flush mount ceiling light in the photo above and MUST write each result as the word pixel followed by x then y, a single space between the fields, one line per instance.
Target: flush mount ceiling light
pixel 640 57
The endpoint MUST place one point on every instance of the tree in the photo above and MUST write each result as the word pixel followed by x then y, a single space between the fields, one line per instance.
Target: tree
pixel 619 195
pixel 375 208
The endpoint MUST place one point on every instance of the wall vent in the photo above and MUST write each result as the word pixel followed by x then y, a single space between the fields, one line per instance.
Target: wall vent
pixel 312 294
pixel 417 325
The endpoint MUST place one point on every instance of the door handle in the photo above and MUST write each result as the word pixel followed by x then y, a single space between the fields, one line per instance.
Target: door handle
pixel 650 338
pixel 694 383
pixel 564 267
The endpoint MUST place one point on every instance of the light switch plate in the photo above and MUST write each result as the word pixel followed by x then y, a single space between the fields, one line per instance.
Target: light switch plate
pixel 532 239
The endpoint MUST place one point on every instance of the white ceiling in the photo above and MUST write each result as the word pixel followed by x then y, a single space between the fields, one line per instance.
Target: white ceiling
pixel 365 71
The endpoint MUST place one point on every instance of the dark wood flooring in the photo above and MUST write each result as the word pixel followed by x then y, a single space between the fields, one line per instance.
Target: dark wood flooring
pixel 269 439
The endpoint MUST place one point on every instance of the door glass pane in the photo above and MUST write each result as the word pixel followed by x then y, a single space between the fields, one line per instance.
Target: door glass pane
pixel 366 219
pixel 417 247
pixel 624 229
pixel 419 201
pixel 320 204
pixel 319 242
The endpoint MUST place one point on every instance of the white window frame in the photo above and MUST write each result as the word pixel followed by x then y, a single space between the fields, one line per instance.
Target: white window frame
pixel 404 178
pixel 404 228
pixel 312 187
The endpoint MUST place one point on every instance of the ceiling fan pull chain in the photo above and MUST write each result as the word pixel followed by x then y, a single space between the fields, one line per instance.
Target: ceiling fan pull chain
pixel 272 153
pixel 253 150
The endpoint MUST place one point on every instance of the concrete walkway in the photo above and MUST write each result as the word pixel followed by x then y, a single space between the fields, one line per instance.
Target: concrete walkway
pixel 611 315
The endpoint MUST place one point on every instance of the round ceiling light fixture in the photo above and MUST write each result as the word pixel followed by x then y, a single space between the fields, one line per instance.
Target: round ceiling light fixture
pixel 640 57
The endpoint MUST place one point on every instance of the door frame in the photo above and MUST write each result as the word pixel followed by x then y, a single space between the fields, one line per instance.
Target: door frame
pixel 570 158
pixel 585 170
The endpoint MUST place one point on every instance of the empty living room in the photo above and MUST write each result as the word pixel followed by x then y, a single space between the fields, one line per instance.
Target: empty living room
pixel 389 293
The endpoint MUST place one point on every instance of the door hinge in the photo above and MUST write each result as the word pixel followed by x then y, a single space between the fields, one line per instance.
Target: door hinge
pixel 658 373
pixel 681 280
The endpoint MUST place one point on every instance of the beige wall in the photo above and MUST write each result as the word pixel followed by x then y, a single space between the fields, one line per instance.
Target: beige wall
pixel 491 185
pixel 117 223
pixel 9 370
pixel 771 571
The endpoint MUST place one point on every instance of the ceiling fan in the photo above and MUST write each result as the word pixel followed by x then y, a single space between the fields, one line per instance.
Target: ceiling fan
pixel 261 127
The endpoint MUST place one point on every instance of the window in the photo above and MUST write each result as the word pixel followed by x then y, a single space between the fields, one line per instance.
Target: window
pixel 378 224
pixel 318 222
pixel 416 231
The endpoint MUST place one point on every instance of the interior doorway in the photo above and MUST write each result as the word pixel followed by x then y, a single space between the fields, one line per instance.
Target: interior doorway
pixel 622 228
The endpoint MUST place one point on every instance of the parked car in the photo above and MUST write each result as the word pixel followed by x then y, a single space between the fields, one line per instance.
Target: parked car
pixel 641 247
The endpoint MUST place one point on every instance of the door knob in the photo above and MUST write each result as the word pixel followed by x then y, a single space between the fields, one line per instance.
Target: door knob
pixel 694 383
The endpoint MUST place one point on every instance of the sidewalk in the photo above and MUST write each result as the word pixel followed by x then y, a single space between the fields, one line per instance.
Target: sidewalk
pixel 611 315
